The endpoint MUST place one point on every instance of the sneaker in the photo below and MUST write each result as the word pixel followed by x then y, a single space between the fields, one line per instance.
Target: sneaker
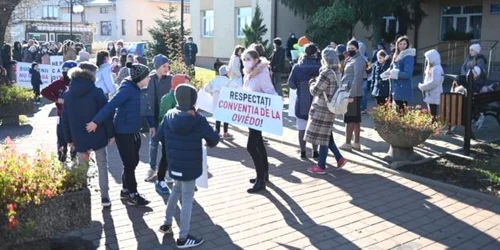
pixel 346 147
pixel 189 242
pixel 315 155
pixel 105 202
pixel 341 163
pixel 363 112
pixel 165 229
pixel 150 175
pixel 356 146
pixel 316 170
pixel 227 136
pixel 162 188
pixel 137 200
pixel 124 195
pixel 168 179
pixel 303 155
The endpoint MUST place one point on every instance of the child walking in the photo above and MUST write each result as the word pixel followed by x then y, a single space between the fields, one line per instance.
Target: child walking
pixel 182 130
pixel 432 87
pixel 36 80
pixel 81 103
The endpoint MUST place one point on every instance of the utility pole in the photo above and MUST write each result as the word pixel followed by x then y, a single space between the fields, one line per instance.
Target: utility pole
pixel 71 20
pixel 182 20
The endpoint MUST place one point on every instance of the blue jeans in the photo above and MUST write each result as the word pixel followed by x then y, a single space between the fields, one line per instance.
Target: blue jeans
pixel 153 153
pixel 366 94
pixel 323 153
pixel 182 190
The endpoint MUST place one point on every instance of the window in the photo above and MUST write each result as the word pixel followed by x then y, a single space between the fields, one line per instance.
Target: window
pixel 208 23
pixel 186 8
pixel 26 13
pixel 243 18
pixel 123 27
pixel 139 27
pixel 462 19
pixel 104 10
pixel 106 28
pixel 50 11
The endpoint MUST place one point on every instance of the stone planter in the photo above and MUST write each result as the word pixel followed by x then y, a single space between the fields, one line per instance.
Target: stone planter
pixel 9 114
pixel 402 141
pixel 68 211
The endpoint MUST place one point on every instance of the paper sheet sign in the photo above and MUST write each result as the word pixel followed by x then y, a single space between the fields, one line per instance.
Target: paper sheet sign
pixel 23 75
pixel 202 181
pixel 250 109
pixel 291 102
pixel 55 67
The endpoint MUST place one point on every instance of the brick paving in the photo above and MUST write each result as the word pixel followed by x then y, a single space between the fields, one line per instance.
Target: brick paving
pixel 354 208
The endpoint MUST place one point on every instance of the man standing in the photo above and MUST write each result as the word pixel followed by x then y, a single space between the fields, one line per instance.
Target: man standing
pixel 278 65
pixel 189 52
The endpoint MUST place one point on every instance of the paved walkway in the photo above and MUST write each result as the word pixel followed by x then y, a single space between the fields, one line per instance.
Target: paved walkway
pixel 354 208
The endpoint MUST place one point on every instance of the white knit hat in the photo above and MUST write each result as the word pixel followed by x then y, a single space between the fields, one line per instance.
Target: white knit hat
pixel 476 47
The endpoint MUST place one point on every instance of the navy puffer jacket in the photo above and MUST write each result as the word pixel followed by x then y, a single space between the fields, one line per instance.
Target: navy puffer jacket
pixel 299 78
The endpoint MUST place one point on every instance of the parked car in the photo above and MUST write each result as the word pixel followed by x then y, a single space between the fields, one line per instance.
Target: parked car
pixel 138 49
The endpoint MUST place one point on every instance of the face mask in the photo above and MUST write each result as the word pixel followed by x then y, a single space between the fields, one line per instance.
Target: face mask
pixel 351 53
pixel 66 78
pixel 247 64
pixel 110 47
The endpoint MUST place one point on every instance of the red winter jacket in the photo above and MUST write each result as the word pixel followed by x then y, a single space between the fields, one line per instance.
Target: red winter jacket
pixel 54 91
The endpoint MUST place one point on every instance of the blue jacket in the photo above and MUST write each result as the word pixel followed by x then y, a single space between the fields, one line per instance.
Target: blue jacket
pixel 127 103
pixel 401 88
pixel 182 134
pixel 81 102
pixel 301 74
pixel 380 87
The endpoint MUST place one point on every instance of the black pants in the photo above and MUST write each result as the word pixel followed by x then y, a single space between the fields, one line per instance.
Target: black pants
pixel 63 143
pixel 434 111
pixel 257 150
pixel 381 100
pixel 128 147
pixel 401 104
pixel 36 90
pixel 162 169
pixel 217 127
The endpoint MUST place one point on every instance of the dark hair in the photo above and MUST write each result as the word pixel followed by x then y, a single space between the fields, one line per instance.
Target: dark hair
pixel 34 64
pixel 88 66
pixel 353 43
pixel 238 48
pixel 311 49
pixel 252 53
pixel 397 52
pixel 17 45
pixel 381 53
pixel 277 41
pixel 190 38
pixel 7 49
pixel 258 48
pixel 101 55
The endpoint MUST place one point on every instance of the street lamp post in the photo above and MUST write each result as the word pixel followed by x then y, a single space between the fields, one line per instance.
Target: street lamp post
pixel 182 20
pixel 75 6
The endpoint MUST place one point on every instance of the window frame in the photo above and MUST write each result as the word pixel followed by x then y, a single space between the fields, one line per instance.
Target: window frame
pixel 124 33
pixel 210 19
pixel 455 17
pixel 248 20
pixel 50 11
pixel 110 26
pixel 139 27
pixel 186 9
pixel 104 10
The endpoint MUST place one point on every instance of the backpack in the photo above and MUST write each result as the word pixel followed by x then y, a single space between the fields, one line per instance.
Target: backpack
pixel 340 100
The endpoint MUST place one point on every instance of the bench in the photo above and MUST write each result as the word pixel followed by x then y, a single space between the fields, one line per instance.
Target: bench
pixel 453 107
pixel 487 103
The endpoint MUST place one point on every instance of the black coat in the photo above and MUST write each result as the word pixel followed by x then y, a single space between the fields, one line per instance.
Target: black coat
pixel 278 60
pixel 36 78
pixel 380 87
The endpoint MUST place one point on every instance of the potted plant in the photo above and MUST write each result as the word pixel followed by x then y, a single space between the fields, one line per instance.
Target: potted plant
pixel 39 197
pixel 403 130
pixel 15 101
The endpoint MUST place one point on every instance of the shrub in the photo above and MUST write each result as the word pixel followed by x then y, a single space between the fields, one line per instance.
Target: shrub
pixel 10 94
pixel 25 180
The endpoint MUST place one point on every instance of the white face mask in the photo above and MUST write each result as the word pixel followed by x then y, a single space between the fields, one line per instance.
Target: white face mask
pixel 248 64
pixel 110 47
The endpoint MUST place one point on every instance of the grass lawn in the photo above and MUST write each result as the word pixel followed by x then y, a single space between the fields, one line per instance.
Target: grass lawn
pixel 204 75
pixel 481 174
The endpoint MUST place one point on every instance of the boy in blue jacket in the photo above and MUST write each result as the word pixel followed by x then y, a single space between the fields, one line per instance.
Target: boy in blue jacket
pixel 182 131
pixel 81 102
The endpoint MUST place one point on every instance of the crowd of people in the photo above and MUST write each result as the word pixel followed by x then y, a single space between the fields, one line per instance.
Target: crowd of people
pixel 104 103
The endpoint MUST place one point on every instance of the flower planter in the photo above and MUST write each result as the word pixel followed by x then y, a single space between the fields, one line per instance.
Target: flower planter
pixel 68 211
pixel 9 114
pixel 402 141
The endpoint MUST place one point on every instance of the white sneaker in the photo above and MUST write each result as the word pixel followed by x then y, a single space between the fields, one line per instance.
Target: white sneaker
pixel 346 147
pixel 168 179
pixel 356 146
pixel 150 175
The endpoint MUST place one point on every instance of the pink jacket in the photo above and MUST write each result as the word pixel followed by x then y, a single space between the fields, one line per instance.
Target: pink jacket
pixel 259 79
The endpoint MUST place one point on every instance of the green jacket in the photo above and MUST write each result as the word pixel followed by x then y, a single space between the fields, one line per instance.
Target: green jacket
pixel 167 103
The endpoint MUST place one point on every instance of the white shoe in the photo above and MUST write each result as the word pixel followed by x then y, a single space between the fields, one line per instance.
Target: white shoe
pixel 150 175
pixel 346 147
pixel 168 179
pixel 356 146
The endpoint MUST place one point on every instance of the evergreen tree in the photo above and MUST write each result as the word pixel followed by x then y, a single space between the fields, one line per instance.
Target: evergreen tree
pixel 256 30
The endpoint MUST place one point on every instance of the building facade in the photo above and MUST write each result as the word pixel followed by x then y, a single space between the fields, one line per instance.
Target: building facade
pixel 230 17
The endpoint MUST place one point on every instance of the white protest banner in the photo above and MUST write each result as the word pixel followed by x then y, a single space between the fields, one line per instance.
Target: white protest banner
pixel 56 64
pixel 291 102
pixel 45 73
pixel 24 77
pixel 250 109
pixel 202 181
pixel 205 101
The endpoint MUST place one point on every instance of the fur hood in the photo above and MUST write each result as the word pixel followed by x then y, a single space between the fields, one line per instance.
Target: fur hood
pixel 263 64
pixel 407 52
pixel 81 73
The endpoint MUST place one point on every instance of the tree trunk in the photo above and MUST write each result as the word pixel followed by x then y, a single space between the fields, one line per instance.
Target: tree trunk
pixel 6 9
pixel 377 31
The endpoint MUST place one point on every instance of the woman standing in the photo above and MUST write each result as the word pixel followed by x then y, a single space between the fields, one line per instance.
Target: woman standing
pixel 432 87
pixel 111 49
pixel 354 73
pixel 302 73
pixel 400 73
pixel 104 76
pixel 124 72
pixel 7 59
pixel 320 124
pixel 380 85
pixel 235 65
pixel 17 52
pixel 257 79
pixel 127 125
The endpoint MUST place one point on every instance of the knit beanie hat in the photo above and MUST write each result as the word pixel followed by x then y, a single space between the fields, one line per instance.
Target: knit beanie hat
pixel 177 80
pixel 185 96
pixel 123 52
pixel 159 60
pixel 69 64
pixel 340 49
pixel 223 70
pixel 330 56
pixel 138 72
pixel 476 47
